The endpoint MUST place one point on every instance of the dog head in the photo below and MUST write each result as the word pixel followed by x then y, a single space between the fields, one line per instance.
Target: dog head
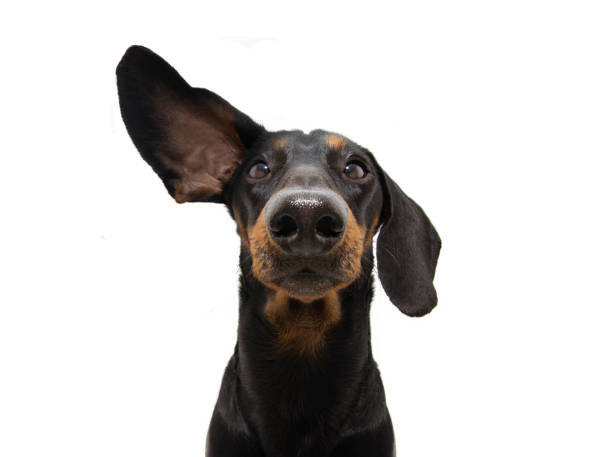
pixel 306 205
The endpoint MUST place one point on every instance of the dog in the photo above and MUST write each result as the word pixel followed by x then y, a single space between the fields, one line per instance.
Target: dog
pixel 302 380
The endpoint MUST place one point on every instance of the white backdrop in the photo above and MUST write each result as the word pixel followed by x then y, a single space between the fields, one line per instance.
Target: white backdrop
pixel 118 307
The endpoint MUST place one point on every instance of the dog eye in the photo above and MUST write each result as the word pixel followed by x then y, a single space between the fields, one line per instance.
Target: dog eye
pixel 259 170
pixel 355 170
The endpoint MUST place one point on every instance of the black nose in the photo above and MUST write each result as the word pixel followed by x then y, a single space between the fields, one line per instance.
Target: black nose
pixel 306 222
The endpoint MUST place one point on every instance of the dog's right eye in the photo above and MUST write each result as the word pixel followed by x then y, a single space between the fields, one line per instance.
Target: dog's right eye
pixel 259 170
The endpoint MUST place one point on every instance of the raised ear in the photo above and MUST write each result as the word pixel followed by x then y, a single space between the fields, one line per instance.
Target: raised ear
pixel 406 252
pixel 192 138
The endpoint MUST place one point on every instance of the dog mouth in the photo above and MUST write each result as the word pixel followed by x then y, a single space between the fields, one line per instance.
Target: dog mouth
pixel 307 282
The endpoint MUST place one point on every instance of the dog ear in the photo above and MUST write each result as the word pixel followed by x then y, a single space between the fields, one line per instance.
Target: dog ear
pixel 406 252
pixel 192 138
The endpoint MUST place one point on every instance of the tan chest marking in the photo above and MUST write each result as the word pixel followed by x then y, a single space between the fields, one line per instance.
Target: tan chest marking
pixel 300 327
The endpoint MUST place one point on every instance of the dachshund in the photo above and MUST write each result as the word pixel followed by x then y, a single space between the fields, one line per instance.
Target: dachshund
pixel 302 380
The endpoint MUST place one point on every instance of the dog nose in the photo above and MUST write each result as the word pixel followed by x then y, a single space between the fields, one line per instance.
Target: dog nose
pixel 306 222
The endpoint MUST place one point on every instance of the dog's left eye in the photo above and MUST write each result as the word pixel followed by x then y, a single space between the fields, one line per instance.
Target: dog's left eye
pixel 259 170
pixel 355 170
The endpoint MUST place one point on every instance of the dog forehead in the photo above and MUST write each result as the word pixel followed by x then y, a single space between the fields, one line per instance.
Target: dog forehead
pixel 311 147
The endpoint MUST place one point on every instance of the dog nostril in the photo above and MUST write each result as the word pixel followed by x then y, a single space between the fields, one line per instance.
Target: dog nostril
pixel 328 227
pixel 283 226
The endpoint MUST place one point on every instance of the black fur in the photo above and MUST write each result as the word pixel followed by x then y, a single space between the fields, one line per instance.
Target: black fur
pixel 275 403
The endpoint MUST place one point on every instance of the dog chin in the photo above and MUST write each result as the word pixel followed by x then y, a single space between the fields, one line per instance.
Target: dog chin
pixel 306 286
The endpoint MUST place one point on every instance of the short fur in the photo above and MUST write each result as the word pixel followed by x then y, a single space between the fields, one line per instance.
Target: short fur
pixel 302 380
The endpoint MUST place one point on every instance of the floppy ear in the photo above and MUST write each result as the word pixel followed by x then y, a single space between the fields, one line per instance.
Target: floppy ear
pixel 406 252
pixel 192 138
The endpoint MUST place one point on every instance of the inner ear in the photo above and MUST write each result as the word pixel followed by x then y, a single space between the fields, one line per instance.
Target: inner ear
pixel 202 146
pixel 192 138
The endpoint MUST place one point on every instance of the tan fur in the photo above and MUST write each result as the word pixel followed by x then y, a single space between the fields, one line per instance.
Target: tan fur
pixel 335 142
pixel 261 248
pixel 279 143
pixel 244 238
pixel 301 330
pixel 350 248
pixel 370 235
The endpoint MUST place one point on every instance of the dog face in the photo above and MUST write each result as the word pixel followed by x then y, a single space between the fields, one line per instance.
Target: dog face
pixel 306 205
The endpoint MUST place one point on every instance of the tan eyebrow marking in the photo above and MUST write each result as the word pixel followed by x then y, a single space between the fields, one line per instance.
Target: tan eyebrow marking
pixel 335 142
pixel 279 143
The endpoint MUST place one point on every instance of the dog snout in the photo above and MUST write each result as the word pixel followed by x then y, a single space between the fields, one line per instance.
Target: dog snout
pixel 306 222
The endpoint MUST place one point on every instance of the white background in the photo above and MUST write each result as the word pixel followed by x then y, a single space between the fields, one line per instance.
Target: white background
pixel 119 307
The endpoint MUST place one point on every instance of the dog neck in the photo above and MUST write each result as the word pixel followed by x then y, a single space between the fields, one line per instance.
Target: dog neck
pixel 326 340
pixel 292 394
